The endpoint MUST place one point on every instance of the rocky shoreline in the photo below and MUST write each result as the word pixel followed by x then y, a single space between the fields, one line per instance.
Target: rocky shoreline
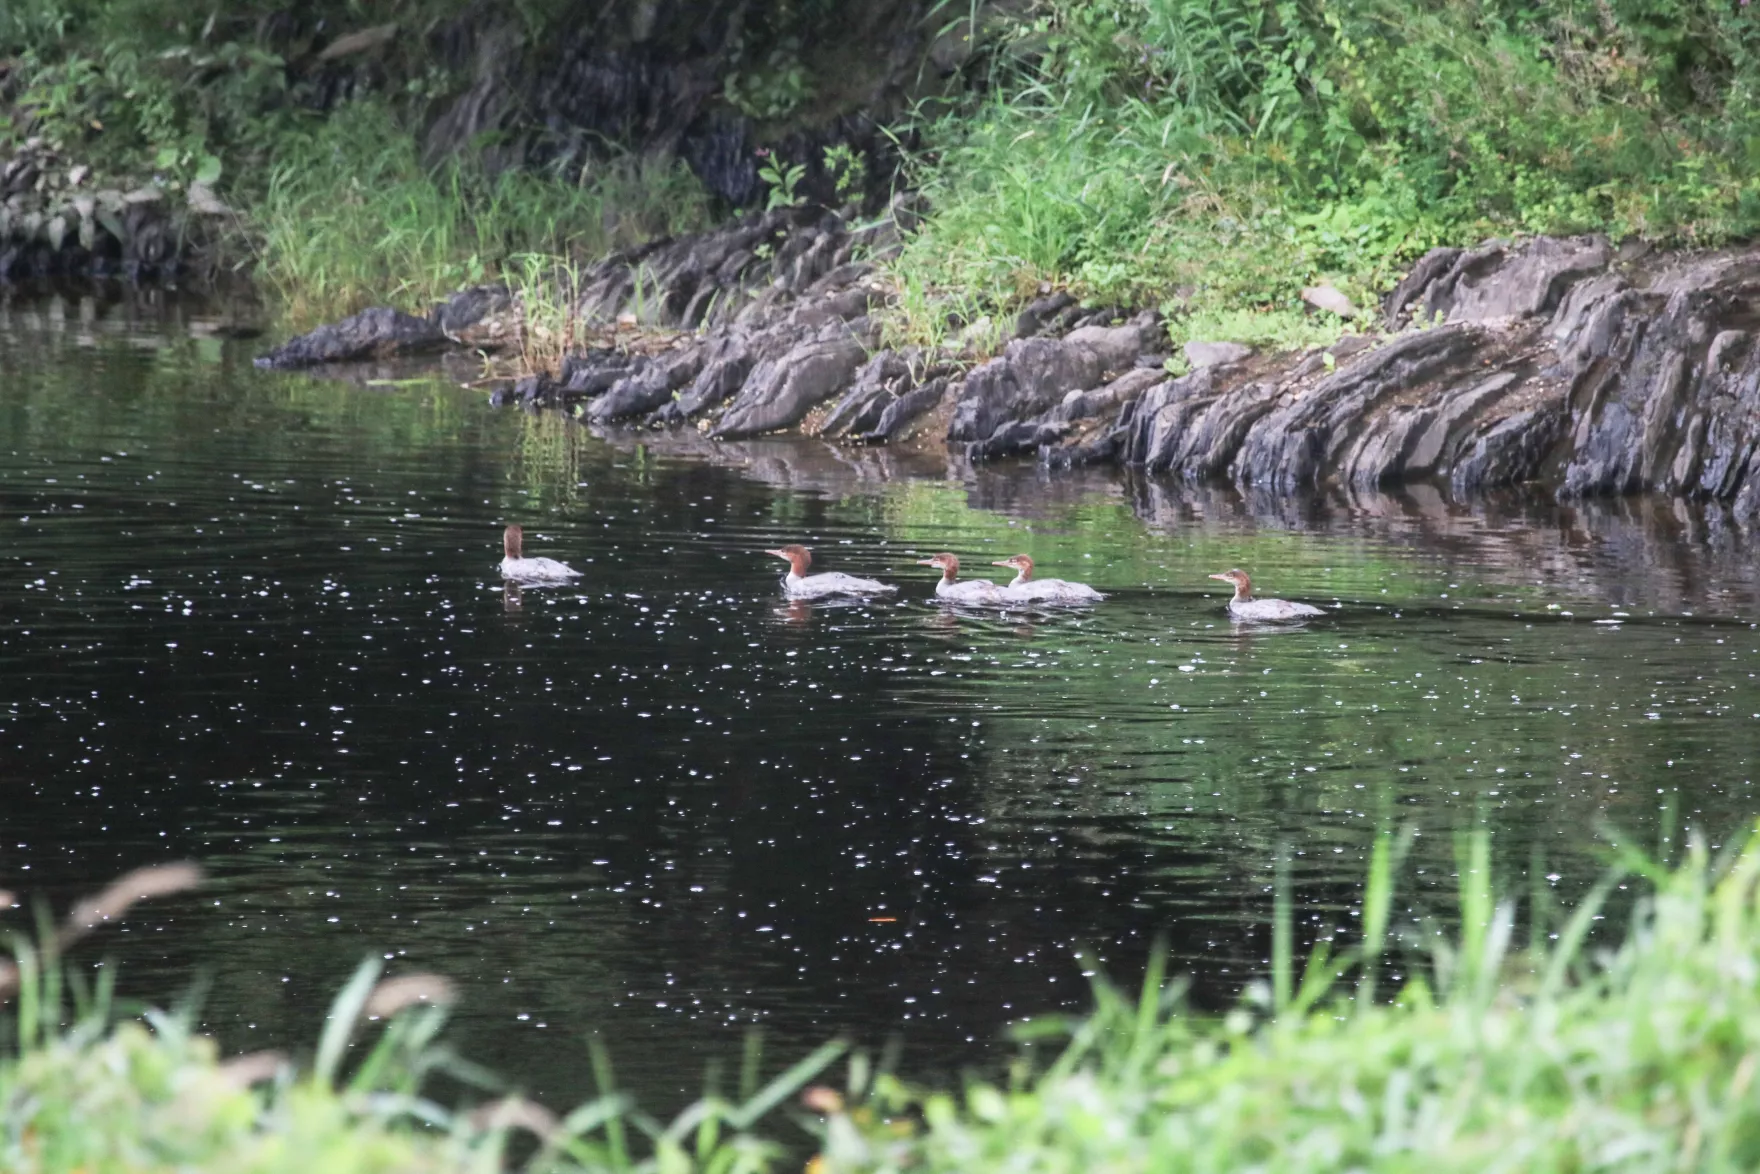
pixel 1566 364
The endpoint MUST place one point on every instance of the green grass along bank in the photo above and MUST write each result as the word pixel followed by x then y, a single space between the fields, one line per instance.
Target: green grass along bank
pixel 1211 158
pixel 1526 1040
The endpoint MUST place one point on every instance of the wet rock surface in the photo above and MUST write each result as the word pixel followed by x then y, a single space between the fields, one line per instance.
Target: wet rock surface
pixel 378 333
pixel 1550 363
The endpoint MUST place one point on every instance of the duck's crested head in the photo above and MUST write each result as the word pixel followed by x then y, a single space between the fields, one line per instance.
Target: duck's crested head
pixel 946 561
pixel 1243 586
pixel 1020 562
pixel 511 538
pixel 798 556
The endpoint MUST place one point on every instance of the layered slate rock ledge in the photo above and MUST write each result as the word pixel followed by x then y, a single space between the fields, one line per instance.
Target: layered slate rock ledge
pixel 1564 363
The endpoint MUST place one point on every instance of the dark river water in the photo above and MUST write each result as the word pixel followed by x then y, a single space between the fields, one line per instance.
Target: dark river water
pixel 254 620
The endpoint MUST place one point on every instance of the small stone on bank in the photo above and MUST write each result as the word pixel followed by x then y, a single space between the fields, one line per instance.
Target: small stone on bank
pixel 1215 354
pixel 1328 297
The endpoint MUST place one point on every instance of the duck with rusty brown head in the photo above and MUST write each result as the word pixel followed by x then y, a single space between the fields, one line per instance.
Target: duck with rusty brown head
pixel 530 572
pixel 797 584
pixel 1025 587
pixel 972 592
pixel 1244 607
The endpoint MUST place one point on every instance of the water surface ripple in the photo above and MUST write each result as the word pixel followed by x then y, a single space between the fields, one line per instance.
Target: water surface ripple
pixel 254 620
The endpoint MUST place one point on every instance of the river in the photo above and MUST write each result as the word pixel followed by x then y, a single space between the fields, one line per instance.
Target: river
pixel 254 620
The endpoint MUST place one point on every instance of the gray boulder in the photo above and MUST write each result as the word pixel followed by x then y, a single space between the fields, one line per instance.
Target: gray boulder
pixel 1215 354
pixel 779 392
pixel 377 333
pixel 1033 375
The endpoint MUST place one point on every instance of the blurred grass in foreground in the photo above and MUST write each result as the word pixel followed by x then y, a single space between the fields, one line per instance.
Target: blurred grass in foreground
pixel 1560 1057
pixel 83 1088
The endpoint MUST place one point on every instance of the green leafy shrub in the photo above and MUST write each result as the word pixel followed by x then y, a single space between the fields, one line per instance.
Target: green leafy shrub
pixel 768 87
pixel 1222 154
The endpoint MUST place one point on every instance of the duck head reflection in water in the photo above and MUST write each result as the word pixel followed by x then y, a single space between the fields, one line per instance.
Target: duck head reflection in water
pixel 511 599
pixel 797 613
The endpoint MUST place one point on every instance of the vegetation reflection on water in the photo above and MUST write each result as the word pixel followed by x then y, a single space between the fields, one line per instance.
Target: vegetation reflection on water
pixel 254 620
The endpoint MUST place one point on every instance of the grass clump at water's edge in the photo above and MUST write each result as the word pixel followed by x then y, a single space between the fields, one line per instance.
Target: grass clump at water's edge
pixel 1214 157
pixel 1567 1058
pixel 349 215
pixel 1638 1058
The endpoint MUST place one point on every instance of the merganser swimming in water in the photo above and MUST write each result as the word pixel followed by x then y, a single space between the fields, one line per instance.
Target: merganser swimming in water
pixel 1244 607
pixel 800 585
pixel 530 571
pixel 1024 586
pixel 978 592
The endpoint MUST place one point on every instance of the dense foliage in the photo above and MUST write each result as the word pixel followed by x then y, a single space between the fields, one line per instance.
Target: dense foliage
pixel 1209 156
pixel 1218 155
pixel 320 155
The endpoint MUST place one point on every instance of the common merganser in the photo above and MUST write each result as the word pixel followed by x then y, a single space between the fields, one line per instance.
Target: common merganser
pixel 530 570
pixel 800 585
pixel 1244 607
pixel 1025 586
pixel 979 592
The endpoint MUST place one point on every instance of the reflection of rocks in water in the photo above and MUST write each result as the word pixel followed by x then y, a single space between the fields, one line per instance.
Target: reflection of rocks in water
pixel 787 462
pixel 86 312
pixel 1026 490
pixel 1649 551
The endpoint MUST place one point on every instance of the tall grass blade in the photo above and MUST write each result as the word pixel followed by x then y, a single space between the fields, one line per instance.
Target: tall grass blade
pixel 751 1059
pixel 789 1082
pixel 616 1139
pixel 1377 906
pixel 1473 862
pixel 345 1012
pixel 1566 950
pixel 1150 1004
pixel 1282 933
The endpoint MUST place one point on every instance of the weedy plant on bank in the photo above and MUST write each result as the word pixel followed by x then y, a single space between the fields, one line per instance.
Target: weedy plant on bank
pixel 350 215
pixel 546 293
